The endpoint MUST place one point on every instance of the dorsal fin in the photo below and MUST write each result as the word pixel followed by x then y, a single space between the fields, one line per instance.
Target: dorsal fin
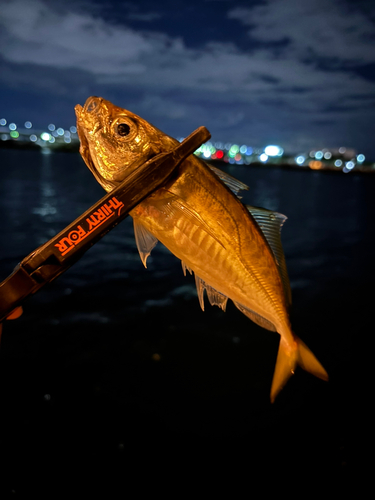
pixel 215 298
pixel 234 185
pixel 257 318
pixel 270 224
pixel 145 241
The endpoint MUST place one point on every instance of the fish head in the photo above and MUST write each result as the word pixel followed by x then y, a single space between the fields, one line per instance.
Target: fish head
pixel 114 141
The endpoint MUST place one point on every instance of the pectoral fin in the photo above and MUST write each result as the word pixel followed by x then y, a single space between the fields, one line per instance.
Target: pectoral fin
pixel 145 241
pixel 176 208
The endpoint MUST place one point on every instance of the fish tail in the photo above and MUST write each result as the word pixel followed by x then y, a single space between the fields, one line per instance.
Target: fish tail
pixel 288 357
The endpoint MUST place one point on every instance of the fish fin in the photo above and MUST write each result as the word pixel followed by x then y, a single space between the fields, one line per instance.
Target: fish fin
pixel 174 206
pixel 270 224
pixel 234 185
pixel 215 298
pixel 200 284
pixel 145 241
pixel 287 360
pixel 308 361
pixel 185 268
pixel 257 318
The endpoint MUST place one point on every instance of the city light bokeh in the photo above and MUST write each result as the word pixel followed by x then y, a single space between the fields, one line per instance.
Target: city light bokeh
pixel 340 159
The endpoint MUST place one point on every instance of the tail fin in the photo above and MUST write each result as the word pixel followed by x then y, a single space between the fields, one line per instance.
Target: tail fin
pixel 288 359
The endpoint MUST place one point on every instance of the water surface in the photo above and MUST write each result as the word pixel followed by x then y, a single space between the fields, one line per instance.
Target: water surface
pixel 112 359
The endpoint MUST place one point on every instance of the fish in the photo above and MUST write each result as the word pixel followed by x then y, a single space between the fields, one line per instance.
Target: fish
pixel 234 251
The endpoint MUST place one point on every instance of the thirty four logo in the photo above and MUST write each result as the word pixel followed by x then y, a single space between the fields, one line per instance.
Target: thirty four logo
pixel 94 221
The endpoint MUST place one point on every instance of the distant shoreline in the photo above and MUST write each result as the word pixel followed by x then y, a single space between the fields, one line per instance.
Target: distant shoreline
pixel 286 162
pixel 73 147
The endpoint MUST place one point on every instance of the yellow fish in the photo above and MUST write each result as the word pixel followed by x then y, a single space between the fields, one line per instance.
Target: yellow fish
pixel 234 250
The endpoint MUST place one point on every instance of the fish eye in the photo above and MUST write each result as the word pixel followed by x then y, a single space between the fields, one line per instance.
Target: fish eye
pixel 123 129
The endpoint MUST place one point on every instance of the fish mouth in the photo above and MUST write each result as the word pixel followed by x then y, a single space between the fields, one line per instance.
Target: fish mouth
pixel 91 105
pixel 78 110
pixel 91 113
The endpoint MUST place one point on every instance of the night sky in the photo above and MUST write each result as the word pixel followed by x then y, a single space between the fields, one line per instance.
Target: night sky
pixel 299 74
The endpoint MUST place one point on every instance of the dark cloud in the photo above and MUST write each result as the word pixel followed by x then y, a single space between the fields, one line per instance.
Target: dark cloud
pixel 148 17
pixel 280 67
pixel 321 28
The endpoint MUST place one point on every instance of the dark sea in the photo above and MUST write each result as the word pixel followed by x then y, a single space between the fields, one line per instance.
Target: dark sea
pixel 114 379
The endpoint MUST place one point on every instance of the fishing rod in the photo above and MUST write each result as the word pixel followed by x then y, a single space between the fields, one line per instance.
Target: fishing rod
pixel 55 256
